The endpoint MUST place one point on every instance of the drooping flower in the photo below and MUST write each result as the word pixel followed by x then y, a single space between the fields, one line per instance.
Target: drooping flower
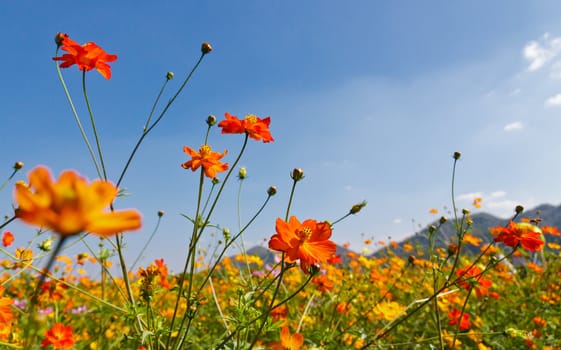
pixel 87 57
pixel 71 205
pixel 307 241
pixel 471 278
pixel 524 234
pixel 7 239
pixel 59 336
pixel 209 160
pixel 255 127
pixel 454 317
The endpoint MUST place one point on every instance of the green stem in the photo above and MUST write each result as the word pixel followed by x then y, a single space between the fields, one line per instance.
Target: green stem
pixel 94 128
pixel 77 118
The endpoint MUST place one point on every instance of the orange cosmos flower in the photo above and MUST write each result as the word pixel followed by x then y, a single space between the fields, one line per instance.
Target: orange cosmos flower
pixel 7 239
pixel 87 57
pixel 551 230
pixel 288 341
pixel 71 205
pixel 6 314
pixel 307 241
pixel 252 125
pixel 471 278
pixel 524 234
pixel 209 160
pixel 59 336
pixel 454 317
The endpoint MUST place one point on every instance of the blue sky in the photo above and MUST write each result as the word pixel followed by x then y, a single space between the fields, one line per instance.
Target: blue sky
pixel 369 98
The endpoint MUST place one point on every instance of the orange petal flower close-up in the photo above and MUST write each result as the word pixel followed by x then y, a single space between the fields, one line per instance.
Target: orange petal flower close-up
pixel 307 241
pixel 71 205
pixel 59 336
pixel 255 127
pixel 524 234
pixel 87 56
pixel 206 158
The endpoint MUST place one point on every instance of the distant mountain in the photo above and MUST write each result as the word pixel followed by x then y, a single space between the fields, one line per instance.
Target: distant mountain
pixel 548 214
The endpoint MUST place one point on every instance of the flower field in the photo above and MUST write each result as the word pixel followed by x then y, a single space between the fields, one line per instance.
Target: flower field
pixel 507 295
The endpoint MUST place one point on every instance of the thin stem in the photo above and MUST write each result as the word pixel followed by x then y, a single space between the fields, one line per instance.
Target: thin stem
pixel 77 118
pixel 94 129
pixel 147 131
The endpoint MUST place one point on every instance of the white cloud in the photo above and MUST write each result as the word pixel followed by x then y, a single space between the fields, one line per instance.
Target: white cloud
pixel 469 196
pixel 397 221
pixel 513 126
pixel 538 53
pixel 553 101
pixel 498 194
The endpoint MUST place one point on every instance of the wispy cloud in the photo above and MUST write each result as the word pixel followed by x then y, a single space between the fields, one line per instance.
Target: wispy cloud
pixel 397 221
pixel 553 101
pixel 540 52
pixel 469 196
pixel 513 126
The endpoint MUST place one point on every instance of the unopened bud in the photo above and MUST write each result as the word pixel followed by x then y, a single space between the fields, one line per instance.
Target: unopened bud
pixel 211 120
pixel 465 211
pixel 169 75
pixel 314 269
pixel 206 48
pixel 519 209
pixel 297 174
pixel 457 155
pixel 357 207
pixel 452 249
pixel 411 259
pixel 443 219
pixel 271 191
pixel 46 245
pixel 242 174
pixel 18 165
pixel 226 234
pixel 160 213
pixel 59 38
pixel 215 181
pixel 432 229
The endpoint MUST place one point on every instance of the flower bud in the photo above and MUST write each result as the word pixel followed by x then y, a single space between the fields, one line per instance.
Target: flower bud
pixel 242 174
pixel 314 269
pixel 297 174
pixel 411 259
pixel 59 37
pixel 357 207
pixel 169 75
pixel 160 213
pixel 215 181
pixel 432 229
pixel 443 219
pixel 46 245
pixel 457 155
pixel 452 249
pixel 18 165
pixel 206 48
pixel 519 209
pixel 226 234
pixel 465 211
pixel 211 120
pixel 272 191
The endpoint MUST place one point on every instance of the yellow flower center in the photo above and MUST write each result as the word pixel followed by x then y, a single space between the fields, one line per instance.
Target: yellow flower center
pixel 205 150
pixel 251 118
pixel 304 233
